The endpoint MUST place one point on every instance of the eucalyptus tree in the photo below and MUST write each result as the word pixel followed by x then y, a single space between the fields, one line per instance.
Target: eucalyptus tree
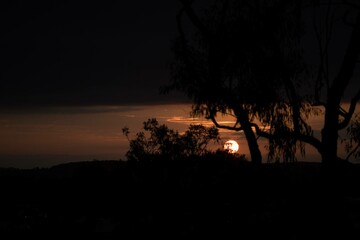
pixel 248 59
pixel 332 80
pixel 241 58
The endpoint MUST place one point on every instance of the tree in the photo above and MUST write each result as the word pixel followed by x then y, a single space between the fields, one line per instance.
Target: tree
pixel 337 118
pixel 246 59
pixel 159 140
pixel 329 88
pixel 242 55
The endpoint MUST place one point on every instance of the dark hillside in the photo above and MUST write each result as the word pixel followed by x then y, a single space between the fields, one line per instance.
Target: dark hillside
pixel 184 198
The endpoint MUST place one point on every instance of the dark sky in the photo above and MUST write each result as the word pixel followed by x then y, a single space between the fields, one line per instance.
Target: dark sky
pixel 87 53
pixel 80 53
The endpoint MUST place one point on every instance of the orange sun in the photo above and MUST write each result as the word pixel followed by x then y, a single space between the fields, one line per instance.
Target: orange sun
pixel 232 146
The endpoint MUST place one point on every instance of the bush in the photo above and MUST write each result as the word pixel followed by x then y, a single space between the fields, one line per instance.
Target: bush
pixel 159 140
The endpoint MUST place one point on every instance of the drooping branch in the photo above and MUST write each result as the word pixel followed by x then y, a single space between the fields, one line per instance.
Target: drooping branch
pixel 301 137
pixel 351 4
pixel 351 111
pixel 293 97
pixel 224 9
pixel 319 79
pixel 328 31
pixel 348 65
pixel 337 3
pixel 323 36
pixel 194 18
pixel 179 26
pixel 346 20
pixel 352 152
pixel 296 135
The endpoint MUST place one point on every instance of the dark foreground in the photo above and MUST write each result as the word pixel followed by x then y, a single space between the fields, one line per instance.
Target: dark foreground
pixel 184 198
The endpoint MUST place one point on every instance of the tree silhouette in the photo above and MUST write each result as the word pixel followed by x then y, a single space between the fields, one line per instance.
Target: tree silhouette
pixel 328 91
pixel 246 59
pixel 159 140
pixel 241 57
pixel 336 118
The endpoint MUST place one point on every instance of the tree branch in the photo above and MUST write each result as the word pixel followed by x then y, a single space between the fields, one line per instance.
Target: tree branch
pixel 342 112
pixel 310 140
pixel 352 152
pixel 301 137
pixel 348 65
pixel 350 4
pixel 213 119
pixel 194 18
pixel 340 3
pixel 321 75
pixel 351 111
pixel 179 25
pixel 261 133
pixel 346 21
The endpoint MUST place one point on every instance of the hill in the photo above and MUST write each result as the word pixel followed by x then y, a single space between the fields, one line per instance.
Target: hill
pixel 183 198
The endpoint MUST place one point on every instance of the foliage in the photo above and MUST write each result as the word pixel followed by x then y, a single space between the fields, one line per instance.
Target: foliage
pixel 247 59
pixel 159 140
pixel 244 60
pixel 352 144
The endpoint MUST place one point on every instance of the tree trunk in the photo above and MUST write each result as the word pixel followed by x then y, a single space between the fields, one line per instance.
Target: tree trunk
pixel 253 145
pixel 335 93
pixel 255 153
pixel 330 134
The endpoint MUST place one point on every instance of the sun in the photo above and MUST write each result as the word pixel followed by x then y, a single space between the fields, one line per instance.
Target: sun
pixel 232 146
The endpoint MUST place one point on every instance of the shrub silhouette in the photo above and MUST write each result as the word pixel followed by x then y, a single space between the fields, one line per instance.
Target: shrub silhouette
pixel 159 140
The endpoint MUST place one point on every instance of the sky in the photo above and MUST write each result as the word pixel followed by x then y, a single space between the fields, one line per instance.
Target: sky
pixel 76 53
pixel 85 53
pixel 73 73
pixel 55 135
